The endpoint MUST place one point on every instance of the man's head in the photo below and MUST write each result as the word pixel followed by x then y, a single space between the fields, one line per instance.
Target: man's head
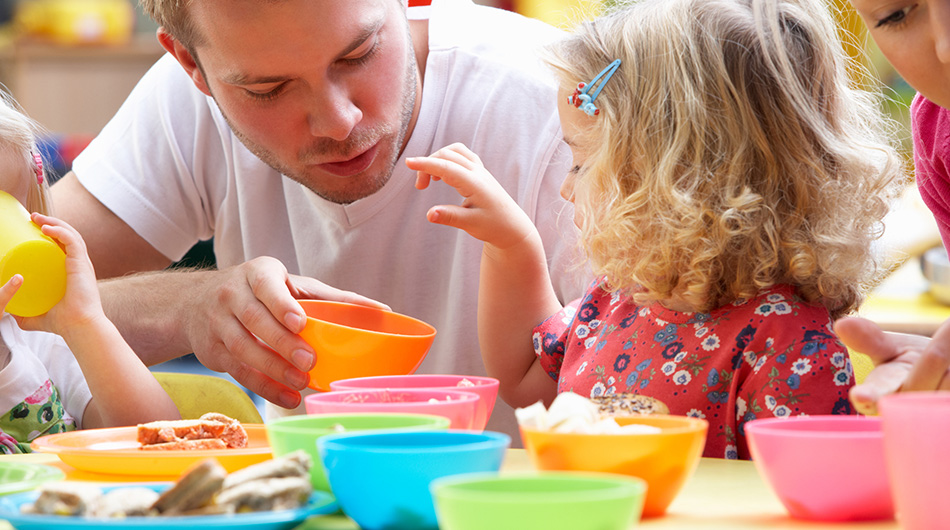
pixel 323 91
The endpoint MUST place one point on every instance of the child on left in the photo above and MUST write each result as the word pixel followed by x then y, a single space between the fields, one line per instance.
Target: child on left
pixel 68 368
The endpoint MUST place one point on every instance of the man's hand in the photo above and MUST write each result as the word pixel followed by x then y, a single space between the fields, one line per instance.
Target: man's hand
pixel 242 320
pixel 902 362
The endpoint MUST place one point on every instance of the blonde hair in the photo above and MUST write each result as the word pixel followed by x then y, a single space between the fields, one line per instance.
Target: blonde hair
pixel 18 133
pixel 730 153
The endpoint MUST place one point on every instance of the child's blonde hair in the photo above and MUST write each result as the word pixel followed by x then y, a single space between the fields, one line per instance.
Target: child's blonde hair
pixel 730 153
pixel 18 134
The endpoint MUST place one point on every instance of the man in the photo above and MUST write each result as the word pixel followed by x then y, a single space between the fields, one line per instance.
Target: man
pixel 280 128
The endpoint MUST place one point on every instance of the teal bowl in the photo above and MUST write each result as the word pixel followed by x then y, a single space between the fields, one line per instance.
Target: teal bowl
pixel 381 479
pixel 291 433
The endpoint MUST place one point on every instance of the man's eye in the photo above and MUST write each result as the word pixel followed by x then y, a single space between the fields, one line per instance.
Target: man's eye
pixel 266 96
pixel 895 18
pixel 364 56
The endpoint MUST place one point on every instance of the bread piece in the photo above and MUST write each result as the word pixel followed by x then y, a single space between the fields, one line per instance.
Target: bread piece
pixel 628 404
pixel 209 426
pixel 294 464
pixel 187 445
pixel 124 502
pixel 64 498
pixel 265 494
pixel 195 488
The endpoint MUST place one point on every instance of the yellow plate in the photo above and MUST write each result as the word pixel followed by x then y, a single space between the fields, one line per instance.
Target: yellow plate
pixel 116 451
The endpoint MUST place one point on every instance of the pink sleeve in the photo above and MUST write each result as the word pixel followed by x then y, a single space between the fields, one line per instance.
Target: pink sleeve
pixel 930 128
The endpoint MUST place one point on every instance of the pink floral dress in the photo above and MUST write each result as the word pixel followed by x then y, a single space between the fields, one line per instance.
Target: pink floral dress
pixel 772 355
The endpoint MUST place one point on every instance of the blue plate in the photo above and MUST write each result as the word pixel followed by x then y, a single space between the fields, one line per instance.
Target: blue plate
pixel 320 503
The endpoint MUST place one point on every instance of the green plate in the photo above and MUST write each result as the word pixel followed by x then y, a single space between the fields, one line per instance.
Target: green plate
pixel 23 476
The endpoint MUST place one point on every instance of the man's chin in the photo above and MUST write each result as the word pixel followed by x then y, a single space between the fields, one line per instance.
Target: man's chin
pixel 343 190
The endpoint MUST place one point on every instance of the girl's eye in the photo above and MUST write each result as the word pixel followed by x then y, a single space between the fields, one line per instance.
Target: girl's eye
pixel 575 170
pixel 895 18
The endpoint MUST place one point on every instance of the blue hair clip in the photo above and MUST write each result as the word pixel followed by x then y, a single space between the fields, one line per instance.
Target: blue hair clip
pixel 583 99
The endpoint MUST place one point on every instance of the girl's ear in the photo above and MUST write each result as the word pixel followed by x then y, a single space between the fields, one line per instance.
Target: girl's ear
pixel 184 58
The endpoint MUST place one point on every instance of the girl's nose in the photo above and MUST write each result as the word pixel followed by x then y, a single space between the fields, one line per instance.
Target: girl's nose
pixel 567 187
pixel 334 115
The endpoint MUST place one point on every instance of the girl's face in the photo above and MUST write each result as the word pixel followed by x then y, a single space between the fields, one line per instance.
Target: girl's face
pixel 12 177
pixel 914 35
pixel 573 121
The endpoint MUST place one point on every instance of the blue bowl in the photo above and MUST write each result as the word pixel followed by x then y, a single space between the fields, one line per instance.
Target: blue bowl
pixel 381 479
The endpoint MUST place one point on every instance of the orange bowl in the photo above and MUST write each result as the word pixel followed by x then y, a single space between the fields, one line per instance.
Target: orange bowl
pixel 358 341
pixel 665 460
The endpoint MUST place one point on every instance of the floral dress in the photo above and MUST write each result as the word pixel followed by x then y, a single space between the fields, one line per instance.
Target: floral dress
pixel 772 355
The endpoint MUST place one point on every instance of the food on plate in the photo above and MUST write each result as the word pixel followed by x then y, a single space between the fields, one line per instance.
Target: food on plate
pixel 573 413
pixel 124 502
pixel 194 489
pixel 629 404
pixel 206 488
pixel 64 498
pixel 210 431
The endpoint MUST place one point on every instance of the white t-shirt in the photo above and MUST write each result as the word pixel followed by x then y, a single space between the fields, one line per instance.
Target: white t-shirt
pixel 36 357
pixel 170 167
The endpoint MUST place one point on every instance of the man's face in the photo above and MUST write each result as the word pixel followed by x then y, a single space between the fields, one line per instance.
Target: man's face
pixel 323 91
pixel 914 35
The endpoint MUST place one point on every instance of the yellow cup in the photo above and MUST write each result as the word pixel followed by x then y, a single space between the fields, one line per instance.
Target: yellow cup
pixel 24 250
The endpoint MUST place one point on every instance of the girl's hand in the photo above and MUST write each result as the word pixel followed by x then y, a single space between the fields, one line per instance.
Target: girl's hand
pixel 487 213
pixel 80 305
pixel 9 289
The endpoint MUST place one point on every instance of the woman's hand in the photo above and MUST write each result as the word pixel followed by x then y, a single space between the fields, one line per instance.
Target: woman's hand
pixel 902 362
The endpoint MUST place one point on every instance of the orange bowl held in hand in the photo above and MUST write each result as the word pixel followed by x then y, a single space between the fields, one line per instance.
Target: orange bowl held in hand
pixel 358 341
pixel 665 460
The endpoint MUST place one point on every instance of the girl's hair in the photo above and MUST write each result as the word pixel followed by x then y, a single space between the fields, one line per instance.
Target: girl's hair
pixel 18 134
pixel 730 153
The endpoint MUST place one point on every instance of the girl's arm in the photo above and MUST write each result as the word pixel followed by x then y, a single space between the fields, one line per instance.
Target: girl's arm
pixel 124 391
pixel 515 291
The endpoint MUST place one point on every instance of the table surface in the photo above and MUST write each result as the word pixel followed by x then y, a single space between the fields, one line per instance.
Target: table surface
pixel 723 494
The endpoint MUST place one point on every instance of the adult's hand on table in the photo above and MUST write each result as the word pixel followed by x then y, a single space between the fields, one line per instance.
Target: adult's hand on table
pixel 902 362
pixel 245 321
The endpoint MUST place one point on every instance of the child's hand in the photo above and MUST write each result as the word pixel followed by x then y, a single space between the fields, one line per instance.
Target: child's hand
pixel 9 289
pixel 81 304
pixel 488 213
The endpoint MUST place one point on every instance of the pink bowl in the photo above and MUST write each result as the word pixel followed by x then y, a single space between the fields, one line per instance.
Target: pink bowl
pixel 458 406
pixel 485 387
pixel 824 468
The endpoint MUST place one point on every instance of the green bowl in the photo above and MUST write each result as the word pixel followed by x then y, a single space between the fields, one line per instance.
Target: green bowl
pixel 24 476
pixel 549 500
pixel 290 433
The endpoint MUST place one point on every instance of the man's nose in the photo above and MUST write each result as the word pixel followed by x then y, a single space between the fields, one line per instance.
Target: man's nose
pixel 334 115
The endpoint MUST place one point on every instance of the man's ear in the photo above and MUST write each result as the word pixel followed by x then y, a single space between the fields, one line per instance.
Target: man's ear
pixel 184 58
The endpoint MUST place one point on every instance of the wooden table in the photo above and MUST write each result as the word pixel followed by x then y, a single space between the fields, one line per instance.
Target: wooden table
pixel 723 494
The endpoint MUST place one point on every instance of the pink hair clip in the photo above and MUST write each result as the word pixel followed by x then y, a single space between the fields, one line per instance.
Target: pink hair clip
pixel 583 99
pixel 38 166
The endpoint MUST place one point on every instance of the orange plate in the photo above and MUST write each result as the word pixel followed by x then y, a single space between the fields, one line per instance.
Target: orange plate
pixel 116 451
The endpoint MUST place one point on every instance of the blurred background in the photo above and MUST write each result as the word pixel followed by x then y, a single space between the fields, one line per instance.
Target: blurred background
pixel 71 63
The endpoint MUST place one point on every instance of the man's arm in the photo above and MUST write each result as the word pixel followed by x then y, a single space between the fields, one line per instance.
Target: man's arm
pixel 243 320
pixel 114 248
